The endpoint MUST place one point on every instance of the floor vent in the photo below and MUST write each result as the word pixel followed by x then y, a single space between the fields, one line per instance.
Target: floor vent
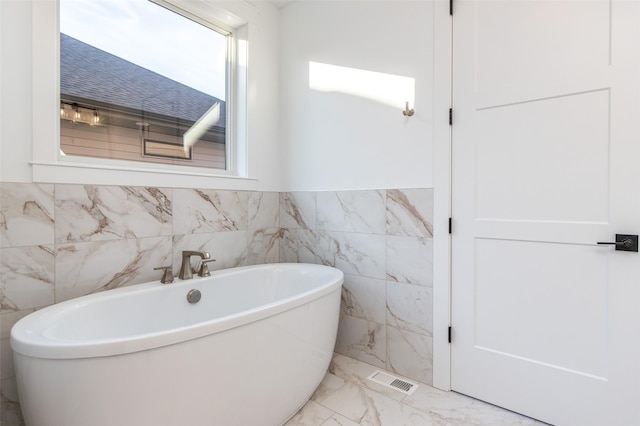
pixel 393 382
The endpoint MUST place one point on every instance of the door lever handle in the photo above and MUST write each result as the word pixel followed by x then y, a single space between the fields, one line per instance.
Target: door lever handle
pixel 626 243
pixel 623 242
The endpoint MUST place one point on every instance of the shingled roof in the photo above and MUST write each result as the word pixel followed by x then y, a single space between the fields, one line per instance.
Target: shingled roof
pixel 95 75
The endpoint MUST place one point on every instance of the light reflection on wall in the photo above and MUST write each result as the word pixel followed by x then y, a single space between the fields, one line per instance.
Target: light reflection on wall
pixel 388 89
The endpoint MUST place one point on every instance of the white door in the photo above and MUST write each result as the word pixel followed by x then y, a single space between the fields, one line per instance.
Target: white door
pixel 545 163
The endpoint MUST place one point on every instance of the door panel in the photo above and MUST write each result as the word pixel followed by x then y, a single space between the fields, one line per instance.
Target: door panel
pixel 539 282
pixel 545 163
pixel 521 41
pixel 550 162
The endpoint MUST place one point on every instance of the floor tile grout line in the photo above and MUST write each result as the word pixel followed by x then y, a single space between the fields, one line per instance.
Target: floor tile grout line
pixel 478 409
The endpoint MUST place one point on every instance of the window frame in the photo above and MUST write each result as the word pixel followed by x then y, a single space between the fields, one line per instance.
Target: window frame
pixel 49 165
pixel 229 37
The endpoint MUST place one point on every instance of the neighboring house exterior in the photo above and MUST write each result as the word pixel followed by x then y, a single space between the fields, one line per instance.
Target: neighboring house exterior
pixel 133 104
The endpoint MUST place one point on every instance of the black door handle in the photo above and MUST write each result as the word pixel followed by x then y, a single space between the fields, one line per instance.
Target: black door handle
pixel 623 242
pixel 626 243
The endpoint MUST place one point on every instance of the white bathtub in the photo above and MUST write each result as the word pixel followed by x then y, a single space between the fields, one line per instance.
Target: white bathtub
pixel 249 353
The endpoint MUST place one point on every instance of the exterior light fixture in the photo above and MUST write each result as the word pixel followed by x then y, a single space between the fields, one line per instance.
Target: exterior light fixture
pixel 79 114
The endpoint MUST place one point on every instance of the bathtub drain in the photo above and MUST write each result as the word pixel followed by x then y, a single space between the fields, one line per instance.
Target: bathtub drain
pixel 194 296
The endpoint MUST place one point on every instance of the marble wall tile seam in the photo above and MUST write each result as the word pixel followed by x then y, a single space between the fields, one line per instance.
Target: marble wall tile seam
pixel 208 210
pixel 394 282
pixel 89 267
pixel 363 340
pixel 386 234
pixel 338 231
pixel 407 308
pixel 409 259
pixel 26 214
pixel 8 319
pixel 79 261
pixel 410 212
pixel 354 253
pixel 352 211
pixel 6 359
pixel 298 210
pixel 401 327
pixel 410 354
pixel 416 326
pixel 365 298
pixel 9 407
pixel 422 332
pixel 263 246
pixel 27 276
pixel 299 246
pixel 108 212
pixel 264 210
pixel 115 238
pixel 399 268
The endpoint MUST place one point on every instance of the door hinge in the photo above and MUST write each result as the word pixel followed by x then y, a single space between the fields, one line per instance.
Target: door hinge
pixel 449 334
pixel 450 225
pixel 451 7
pixel 450 116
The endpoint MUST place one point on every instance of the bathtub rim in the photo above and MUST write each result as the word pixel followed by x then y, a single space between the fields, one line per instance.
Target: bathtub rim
pixel 24 341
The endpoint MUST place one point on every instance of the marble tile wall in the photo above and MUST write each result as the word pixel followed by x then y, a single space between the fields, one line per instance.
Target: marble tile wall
pixel 382 241
pixel 58 242
pixel 62 241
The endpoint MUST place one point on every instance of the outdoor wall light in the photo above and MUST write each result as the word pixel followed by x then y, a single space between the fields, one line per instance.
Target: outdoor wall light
pixel 79 114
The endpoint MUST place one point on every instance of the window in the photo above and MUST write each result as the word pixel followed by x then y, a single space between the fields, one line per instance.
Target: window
pixel 143 81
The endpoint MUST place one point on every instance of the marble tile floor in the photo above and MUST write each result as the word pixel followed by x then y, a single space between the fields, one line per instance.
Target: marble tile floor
pixel 347 398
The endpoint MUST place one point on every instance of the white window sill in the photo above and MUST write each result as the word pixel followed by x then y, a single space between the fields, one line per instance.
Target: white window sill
pixel 78 173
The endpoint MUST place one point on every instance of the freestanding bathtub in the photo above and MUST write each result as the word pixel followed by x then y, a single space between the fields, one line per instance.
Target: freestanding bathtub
pixel 249 353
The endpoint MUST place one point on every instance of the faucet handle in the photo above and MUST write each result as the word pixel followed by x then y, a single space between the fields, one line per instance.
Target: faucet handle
pixel 167 275
pixel 204 269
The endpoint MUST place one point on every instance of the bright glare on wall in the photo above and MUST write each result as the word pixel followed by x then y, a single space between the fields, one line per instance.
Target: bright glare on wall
pixel 388 89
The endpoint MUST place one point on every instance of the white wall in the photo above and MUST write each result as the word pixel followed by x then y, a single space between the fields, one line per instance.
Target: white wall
pixel 311 140
pixel 264 91
pixel 338 141
pixel 15 90
pixel 17 101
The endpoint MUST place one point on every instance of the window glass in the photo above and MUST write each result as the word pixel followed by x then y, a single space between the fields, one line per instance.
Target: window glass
pixel 140 82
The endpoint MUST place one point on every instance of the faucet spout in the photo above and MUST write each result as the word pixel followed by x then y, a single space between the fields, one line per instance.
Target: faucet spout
pixel 186 273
